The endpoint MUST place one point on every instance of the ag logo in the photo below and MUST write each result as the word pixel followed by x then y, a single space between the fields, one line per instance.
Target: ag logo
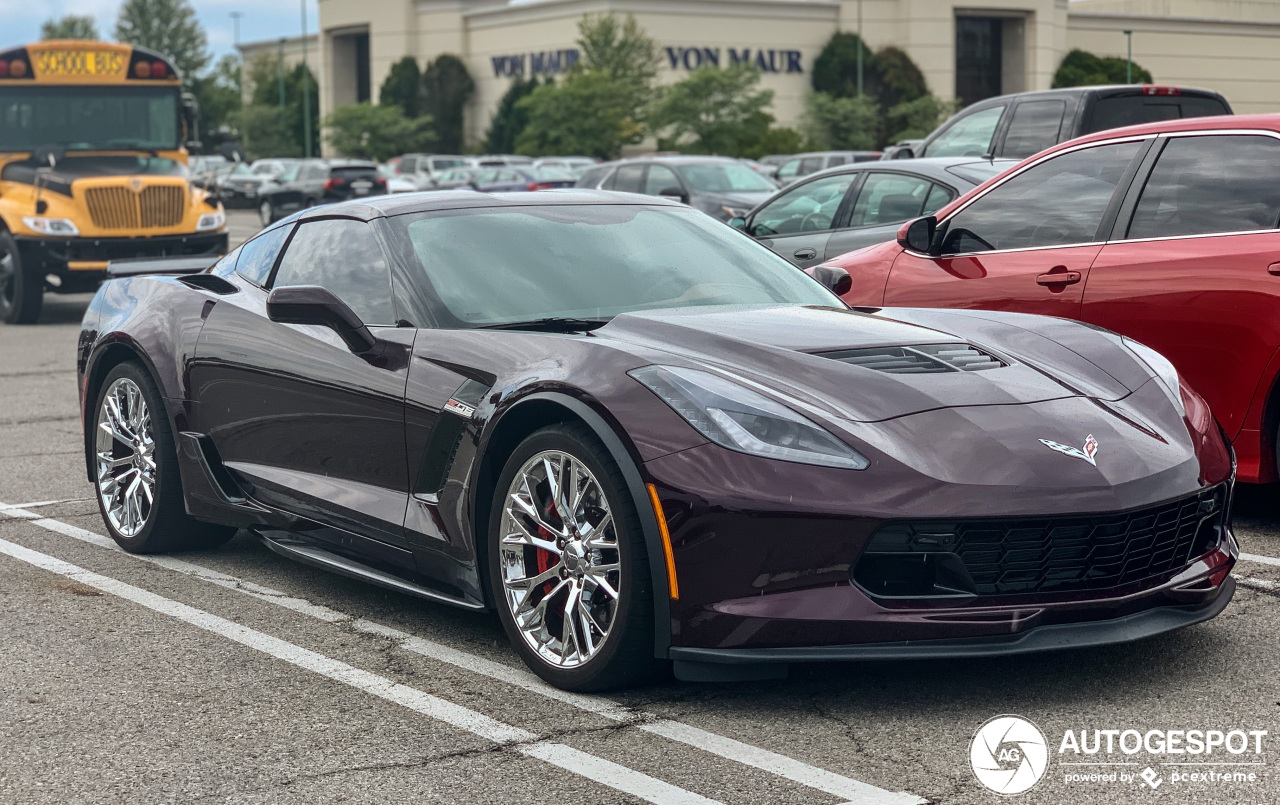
pixel 1008 754
pixel 1087 454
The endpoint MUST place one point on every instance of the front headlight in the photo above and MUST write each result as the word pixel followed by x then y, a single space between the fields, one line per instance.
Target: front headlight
pixel 211 220
pixel 1160 367
pixel 59 227
pixel 742 420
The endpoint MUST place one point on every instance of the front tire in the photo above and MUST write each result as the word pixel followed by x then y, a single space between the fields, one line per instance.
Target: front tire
pixel 136 469
pixel 21 291
pixel 568 566
pixel 266 213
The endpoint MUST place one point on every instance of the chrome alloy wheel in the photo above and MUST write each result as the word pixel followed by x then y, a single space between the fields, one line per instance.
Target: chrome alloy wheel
pixel 559 559
pixel 126 457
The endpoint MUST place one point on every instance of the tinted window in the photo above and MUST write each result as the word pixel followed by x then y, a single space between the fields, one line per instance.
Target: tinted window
pixel 890 198
pixel 810 164
pixel 661 178
pixel 259 255
pixel 1033 128
pixel 939 197
pixel 970 136
pixel 1057 202
pixel 1129 110
pixel 351 171
pixel 725 177
pixel 1228 183
pixel 627 179
pixel 592 177
pixel 344 257
pixel 810 207
pixel 836 160
pixel 593 261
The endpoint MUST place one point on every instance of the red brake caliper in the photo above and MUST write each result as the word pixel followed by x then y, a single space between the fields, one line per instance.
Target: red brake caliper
pixel 546 559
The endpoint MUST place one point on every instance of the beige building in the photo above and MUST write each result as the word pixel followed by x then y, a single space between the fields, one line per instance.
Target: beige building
pixel 966 49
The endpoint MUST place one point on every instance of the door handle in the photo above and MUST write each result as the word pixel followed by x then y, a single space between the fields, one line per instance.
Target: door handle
pixel 1274 268
pixel 806 253
pixel 1059 275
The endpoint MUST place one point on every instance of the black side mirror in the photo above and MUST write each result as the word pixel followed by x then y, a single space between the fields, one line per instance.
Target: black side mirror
pixel 676 193
pixel 833 278
pixel 918 235
pixel 311 304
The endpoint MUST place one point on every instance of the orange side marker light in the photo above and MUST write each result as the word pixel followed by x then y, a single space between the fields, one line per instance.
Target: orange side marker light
pixel 672 584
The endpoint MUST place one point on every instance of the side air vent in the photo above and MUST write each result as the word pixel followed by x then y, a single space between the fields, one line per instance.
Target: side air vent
pixel 920 359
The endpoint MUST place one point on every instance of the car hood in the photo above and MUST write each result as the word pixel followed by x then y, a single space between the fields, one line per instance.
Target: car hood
pixel 796 351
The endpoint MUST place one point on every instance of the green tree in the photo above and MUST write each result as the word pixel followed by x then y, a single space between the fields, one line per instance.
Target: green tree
pixel 376 132
pixel 262 78
pixel 898 79
pixel 889 78
pixel 914 120
pixel 446 88
pixel 714 111
pixel 1080 68
pixel 264 133
pixel 218 93
pixel 510 118
pixel 781 140
pixel 835 68
pixel 624 53
pixel 402 87
pixel 849 123
pixel 169 27
pixel 72 26
pixel 581 115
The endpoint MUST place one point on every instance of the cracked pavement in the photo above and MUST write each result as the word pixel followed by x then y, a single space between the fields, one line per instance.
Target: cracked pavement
pixel 107 701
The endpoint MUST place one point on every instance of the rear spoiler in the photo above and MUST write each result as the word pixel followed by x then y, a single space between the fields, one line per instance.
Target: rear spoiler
pixel 136 266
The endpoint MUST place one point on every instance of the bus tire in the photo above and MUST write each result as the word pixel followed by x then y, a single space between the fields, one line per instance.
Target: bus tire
pixel 21 290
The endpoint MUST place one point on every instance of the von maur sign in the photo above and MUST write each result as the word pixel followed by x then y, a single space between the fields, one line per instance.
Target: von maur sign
pixel 548 62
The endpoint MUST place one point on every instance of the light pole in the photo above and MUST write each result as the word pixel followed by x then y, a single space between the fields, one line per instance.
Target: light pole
pixel 306 94
pixel 1128 65
pixel 859 48
pixel 235 21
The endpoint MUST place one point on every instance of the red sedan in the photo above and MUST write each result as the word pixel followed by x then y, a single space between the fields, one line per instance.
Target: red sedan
pixel 1166 233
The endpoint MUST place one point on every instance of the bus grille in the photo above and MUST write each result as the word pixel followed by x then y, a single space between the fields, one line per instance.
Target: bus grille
pixel 121 208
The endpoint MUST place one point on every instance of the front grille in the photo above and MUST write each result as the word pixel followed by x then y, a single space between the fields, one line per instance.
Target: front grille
pixel 121 208
pixel 993 557
pixel 921 359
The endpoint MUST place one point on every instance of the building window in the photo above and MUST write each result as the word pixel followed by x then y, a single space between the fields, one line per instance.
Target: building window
pixel 979 63
pixel 350 67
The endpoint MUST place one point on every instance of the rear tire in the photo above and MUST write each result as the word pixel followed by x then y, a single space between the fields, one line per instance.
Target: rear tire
pixel 594 567
pixel 266 213
pixel 136 469
pixel 21 291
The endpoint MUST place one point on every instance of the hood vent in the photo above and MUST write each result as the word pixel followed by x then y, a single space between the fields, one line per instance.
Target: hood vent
pixel 922 359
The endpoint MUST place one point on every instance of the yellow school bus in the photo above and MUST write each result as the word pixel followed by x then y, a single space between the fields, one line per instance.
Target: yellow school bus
pixel 93 167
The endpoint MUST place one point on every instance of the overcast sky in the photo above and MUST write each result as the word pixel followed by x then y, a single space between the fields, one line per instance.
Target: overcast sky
pixel 263 19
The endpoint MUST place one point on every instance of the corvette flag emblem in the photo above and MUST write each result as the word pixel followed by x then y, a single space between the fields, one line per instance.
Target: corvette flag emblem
pixel 1087 454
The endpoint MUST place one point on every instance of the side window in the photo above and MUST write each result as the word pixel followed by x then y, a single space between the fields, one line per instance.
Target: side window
pixel 890 198
pixel 810 207
pixel 259 255
pixel 1200 185
pixel 1033 128
pixel 627 179
pixel 809 165
pixel 970 136
pixel 939 197
pixel 1056 203
pixel 343 256
pixel 789 169
pixel 227 265
pixel 839 159
pixel 661 178
pixel 408 165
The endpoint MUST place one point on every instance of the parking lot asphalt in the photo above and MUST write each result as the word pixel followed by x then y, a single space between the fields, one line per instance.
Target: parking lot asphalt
pixel 237 676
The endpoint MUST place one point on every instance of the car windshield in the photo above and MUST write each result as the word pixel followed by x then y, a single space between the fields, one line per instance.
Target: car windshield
pixel 724 177
pixel 88 117
pixel 550 174
pixel 289 173
pixel 489 267
pixel 241 169
pixel 445 164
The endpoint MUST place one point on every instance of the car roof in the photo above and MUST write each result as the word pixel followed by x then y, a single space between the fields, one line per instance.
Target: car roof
pixel 1099 89
pixel 402 203
pixel 1267 122
pixel 929 167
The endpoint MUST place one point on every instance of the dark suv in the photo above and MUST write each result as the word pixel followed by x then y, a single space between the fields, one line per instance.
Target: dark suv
pixel 311 182
pixel 1017 126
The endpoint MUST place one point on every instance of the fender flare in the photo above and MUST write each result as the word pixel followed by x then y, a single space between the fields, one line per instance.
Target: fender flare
pixel 630 468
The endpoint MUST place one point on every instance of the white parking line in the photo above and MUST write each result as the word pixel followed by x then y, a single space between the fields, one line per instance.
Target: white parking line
pixel 1264 560
pixel 604 772
pixel 852 792
pixel 12 508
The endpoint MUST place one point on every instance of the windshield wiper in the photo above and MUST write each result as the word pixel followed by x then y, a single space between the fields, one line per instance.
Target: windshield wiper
pixel 553 324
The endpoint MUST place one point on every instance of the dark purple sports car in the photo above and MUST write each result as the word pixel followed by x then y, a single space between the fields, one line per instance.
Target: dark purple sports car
pixel 641 437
